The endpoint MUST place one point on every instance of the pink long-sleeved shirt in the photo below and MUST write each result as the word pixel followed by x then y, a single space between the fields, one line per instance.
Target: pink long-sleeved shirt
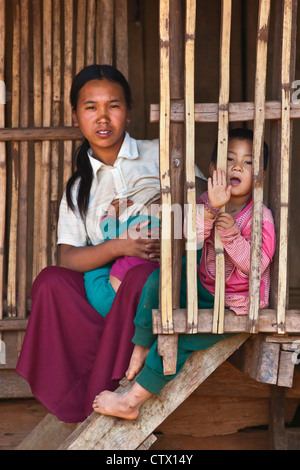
pixel 236 242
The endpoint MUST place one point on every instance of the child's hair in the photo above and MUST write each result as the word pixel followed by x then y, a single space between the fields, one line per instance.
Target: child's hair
pixel 241 134
pixel 84 168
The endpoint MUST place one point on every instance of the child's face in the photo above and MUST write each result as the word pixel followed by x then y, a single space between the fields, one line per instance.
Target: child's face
pixel 239 167
pixel 102 115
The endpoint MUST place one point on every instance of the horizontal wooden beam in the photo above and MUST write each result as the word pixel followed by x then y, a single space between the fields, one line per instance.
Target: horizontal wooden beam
pixel 13 324
pixel 238 112
pixel 267 321
pixel 40 133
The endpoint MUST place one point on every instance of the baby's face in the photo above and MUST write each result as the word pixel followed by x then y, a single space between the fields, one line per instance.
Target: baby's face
pixel 239 167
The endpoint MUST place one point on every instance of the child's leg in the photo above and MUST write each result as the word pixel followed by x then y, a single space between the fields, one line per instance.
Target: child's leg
pixel 99 291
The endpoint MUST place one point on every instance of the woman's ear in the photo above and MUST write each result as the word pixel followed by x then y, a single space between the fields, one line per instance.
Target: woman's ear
pixel 211 168
pixel 74 117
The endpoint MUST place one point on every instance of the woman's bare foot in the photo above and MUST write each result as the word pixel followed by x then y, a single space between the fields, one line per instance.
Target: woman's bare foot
pixel 125 405
pixel 137 361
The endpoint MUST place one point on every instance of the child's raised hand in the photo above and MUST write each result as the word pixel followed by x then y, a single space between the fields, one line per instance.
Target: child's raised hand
pixel 218 192
pixel 118 206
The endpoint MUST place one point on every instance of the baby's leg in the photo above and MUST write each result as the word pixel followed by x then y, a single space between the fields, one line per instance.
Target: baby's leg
pixel 115 283
pixel 124 405
pixel 137 361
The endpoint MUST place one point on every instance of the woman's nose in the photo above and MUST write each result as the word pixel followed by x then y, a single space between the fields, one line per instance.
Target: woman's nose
pixel 102 116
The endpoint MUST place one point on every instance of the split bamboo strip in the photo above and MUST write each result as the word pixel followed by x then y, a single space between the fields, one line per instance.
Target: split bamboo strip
pixel 192 297
pixel 285 164
pixel 164 146
pixel 257 163
pixel 13 227
pixel 56 93
pixel 80 35
pixel 37 111
pixel 46 146
pixel 41 133
pixel 68 71
pixel 121 28
pixel 90 32
pixel 23 156
pixel 2 155
pixel 208 112
pixel 105 50
pixel 223 121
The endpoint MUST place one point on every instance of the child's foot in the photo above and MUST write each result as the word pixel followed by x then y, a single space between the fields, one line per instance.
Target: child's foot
pixel 137 361
pixel 125 405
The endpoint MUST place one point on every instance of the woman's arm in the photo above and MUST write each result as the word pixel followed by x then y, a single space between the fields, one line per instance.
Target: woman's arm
pixel 87 258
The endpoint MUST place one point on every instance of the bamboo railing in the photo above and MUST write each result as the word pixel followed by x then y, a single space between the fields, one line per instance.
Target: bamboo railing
pixel 278 319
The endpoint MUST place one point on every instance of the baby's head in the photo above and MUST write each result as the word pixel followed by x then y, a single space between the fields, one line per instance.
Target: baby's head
pixel 241 134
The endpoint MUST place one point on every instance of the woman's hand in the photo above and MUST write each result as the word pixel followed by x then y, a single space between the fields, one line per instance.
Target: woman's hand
pixel 141 241
pixel 224 221
pixel 218 192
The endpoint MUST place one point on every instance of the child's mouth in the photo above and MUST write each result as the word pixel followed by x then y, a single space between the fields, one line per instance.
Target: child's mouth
pixel 235 181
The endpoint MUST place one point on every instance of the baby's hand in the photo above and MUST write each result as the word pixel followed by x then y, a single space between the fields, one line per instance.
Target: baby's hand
pixel 118 206
pixel 224 221
pixel 218 192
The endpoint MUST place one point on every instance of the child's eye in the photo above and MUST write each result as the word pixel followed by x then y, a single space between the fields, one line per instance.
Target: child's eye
pixel 248 162
pixel 229 159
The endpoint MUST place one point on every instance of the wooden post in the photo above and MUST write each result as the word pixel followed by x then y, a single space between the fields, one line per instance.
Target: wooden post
pixel 90 32
pixel 105 54
pixel 285 163
pixel 257 163
pixel 2 156
pixel 80 35
pixel 121 27
pixel 223 120
pixel 192 294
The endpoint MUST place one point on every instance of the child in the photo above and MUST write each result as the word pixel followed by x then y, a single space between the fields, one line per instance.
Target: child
pixel 234 226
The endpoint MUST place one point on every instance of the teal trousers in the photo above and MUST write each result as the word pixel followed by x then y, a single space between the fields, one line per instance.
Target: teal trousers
pixel 152 377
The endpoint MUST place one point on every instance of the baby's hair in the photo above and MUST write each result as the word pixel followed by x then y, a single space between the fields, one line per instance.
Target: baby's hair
pixel 241 134
pixel 84 169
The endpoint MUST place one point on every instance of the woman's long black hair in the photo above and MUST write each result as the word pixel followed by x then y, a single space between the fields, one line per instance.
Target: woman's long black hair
pixel 83 167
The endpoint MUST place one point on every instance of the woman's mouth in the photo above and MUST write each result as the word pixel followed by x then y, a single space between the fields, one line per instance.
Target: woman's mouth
pixel 103 133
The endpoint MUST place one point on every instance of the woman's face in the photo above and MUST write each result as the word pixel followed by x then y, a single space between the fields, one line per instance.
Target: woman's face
pixel 102 115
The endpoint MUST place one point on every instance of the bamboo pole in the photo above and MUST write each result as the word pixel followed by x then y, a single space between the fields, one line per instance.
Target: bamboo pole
pixel 46 146
pixel 192 295
pixel 12 253
pixel 90 32
pixel 80 35
pixel 223 121
pixel 105 50
pixel 285 164
pixel 257 163
pixel 37 112
pixel 68 21
pixel 164 143
pixel 121 28
pixel 23 197
pixel 2 157
pixel 56 93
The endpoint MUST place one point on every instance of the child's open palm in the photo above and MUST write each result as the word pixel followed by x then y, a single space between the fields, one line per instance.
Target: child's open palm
pixel 218 192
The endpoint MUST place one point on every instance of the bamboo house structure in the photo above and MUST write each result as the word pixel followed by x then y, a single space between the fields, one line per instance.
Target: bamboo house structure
pixel 196 69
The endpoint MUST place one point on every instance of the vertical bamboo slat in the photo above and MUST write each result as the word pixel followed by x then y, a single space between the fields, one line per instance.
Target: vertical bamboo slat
pixel 164 142
pixel 192 297
pixel 257 164
pixel 223 121
pixel 2 157
pixel 285 164
pixel 121 27
pixel 23 156
pixel 37 112
pixel 56 92
pixel 105 54
pixel 80 35
pixel 68 72
pixel 90 32
pixel 46 147
pixel 12 251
